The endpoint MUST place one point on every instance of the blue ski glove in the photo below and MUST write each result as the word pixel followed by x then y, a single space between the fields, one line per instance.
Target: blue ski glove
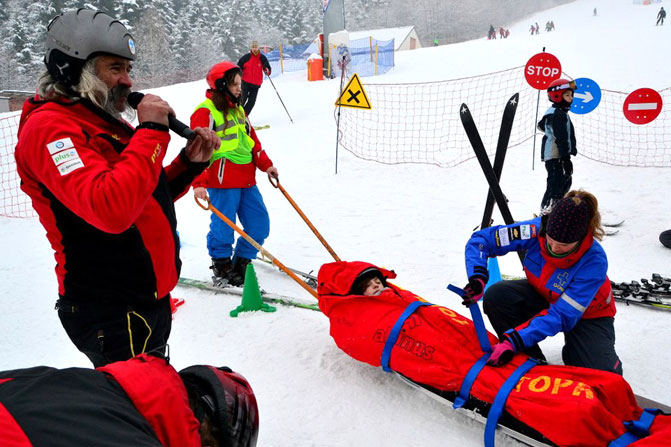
pixel 502 353
pixel 473 290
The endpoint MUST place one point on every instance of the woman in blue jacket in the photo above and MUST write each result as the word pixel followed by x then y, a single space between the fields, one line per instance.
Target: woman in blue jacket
pixel 566 287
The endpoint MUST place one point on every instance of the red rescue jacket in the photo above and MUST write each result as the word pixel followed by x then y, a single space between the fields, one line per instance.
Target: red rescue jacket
pixel 105 200
pixel 570 406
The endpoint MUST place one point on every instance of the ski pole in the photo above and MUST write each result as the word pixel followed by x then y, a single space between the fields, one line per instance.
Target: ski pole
pixel 278 95
pixel 276 183
pixel 255 244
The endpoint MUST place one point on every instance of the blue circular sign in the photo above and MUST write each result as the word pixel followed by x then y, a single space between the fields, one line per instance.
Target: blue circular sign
pixel 586 97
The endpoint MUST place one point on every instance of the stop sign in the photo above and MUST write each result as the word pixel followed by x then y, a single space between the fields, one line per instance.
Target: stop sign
pixel 542 69
pixel 642 106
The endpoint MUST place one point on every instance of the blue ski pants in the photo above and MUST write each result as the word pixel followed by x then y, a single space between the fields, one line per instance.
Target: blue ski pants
pixel 248 205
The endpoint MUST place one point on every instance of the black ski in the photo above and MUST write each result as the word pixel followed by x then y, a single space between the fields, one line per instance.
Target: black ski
pixel 481 154
pixel 500 156
pixel 653 292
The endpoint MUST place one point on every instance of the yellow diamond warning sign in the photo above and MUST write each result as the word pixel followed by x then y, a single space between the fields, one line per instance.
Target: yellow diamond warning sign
pixel 354 95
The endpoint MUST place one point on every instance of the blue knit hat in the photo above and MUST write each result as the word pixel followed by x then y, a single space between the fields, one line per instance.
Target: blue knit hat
pixel 569 220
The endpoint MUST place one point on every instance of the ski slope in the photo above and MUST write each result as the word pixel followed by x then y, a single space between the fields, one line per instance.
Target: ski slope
pixel 414 219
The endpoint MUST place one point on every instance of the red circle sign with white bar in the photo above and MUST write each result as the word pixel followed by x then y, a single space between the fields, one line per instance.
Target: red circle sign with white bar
pixel 642 106
pixel 542 69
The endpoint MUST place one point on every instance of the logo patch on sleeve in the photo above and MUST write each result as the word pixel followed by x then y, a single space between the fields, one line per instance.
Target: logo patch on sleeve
pixel 65 156
pixel 503 237
pixel 60 145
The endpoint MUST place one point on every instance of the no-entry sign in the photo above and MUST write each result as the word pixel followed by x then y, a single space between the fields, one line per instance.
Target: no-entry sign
pixel 542 69
pixel 642 106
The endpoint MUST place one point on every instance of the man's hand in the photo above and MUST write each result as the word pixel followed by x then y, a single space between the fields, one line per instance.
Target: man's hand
pixel 473 290
pixel 153 108
pixel 267 71
pixel 200 148
pixel 502 353
pixel 200 193
pixel 272 173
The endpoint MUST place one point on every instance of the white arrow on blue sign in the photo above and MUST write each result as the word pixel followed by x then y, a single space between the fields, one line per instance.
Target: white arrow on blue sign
pixel 586 97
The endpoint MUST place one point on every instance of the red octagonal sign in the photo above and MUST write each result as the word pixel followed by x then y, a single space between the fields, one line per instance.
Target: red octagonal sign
pixel 642 106
pixel 542 69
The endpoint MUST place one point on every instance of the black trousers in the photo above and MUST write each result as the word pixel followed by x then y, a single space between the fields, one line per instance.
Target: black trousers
pixel 248 99
pixel 109 333
pixel 558 184
pixel 590 344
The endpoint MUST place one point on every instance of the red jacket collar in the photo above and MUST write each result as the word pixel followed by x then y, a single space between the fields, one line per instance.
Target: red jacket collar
pixel 568 261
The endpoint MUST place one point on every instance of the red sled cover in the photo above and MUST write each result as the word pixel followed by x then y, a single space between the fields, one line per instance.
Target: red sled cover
pixel 570 406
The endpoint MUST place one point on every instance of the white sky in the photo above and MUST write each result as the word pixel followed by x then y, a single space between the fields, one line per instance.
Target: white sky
pixel 414 219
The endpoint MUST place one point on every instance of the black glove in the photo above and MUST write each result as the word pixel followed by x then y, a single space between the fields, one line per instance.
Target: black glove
pixel 567 166
pixel 474 289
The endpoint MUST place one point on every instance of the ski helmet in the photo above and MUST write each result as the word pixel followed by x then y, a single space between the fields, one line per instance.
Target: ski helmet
pixel 557 88
pixel 229 399
pixel 77 35
pixel 215 77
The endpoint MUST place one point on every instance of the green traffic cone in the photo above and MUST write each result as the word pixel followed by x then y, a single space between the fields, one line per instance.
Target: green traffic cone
pixel 251 295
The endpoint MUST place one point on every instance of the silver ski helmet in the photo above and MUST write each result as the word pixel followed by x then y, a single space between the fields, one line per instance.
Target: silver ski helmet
pixel 75 36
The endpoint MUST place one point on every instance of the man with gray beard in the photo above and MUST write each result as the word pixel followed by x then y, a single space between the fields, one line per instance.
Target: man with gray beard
pixel 101 191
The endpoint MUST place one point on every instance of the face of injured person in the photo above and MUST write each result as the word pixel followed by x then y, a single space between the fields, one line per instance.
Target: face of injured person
pixel 373 287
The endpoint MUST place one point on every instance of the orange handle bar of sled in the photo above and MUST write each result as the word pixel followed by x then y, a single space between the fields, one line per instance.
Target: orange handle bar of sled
pixel 256 245
pixel 276 184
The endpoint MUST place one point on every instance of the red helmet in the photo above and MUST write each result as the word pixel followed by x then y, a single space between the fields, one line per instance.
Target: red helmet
pixel 229 399
pixel 557 88
pixel 215 77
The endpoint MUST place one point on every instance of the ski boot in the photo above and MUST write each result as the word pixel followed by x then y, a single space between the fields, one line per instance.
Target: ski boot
pixel 237 275
pixel 221 271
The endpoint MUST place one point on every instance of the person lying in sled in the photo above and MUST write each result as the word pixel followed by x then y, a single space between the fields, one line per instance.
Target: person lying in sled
pixel 437 347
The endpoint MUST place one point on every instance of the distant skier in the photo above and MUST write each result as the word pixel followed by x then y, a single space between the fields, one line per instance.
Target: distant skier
pixel 435 42
pixel 492 33
pixel 661 15
pixel 559 142
pixel 594 12
pixel 502 32
pixel 532 30
pixel 538 28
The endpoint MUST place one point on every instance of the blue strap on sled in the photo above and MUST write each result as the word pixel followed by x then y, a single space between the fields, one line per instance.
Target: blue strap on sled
pixel 501 398
pixel 396 330
pixel 486 347
pixel 636 430
pixel 466 385
pixel 480 330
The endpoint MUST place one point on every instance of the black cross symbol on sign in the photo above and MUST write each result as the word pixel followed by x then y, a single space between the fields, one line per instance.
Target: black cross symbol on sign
pixel 353 96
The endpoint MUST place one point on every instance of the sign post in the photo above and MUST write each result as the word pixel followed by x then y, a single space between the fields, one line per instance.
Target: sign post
pixel 540 70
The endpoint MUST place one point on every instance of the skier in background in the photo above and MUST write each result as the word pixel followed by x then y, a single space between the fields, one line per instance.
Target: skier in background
pixel 661 15
pixel 253 64
pixel 559 142
pixel 492 33
pixel 538 28
pixel 435 41
pixel 566 287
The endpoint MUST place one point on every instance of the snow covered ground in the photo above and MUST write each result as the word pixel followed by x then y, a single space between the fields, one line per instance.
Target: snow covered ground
pixel 412 218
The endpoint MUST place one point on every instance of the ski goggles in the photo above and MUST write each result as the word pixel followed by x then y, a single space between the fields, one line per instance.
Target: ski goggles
pixel 568 85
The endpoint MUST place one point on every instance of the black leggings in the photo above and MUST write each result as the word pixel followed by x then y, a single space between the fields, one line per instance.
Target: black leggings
pixel 590 344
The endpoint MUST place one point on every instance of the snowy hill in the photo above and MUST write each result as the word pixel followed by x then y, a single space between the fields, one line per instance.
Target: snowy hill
pixel 414 219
